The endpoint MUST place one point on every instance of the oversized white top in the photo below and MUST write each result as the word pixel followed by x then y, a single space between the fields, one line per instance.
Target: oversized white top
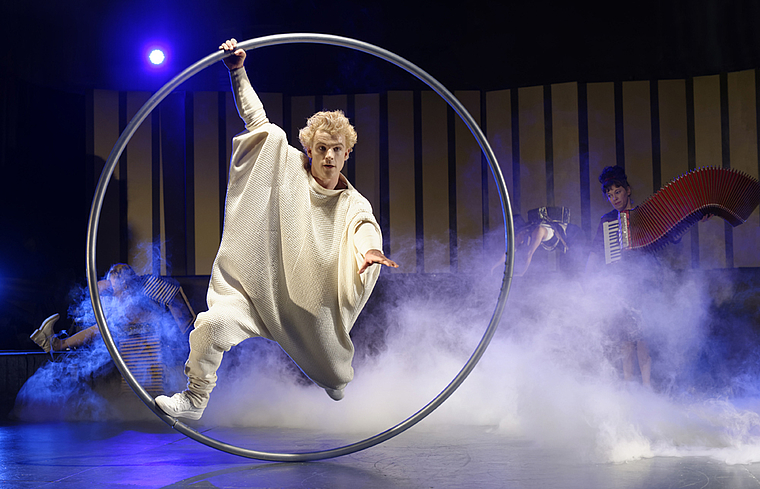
pixel 288 262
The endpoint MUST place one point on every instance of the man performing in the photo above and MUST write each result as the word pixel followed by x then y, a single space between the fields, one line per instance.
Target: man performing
pixel 295 261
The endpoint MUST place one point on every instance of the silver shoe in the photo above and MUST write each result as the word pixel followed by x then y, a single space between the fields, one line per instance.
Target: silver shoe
pixel 179 406
pixel 44 333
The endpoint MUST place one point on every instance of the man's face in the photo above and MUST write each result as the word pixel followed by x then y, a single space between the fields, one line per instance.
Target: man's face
pixel 619 197
pixel 328 154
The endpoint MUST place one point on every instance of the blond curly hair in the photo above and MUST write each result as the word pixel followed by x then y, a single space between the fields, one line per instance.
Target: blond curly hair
pixel 332 122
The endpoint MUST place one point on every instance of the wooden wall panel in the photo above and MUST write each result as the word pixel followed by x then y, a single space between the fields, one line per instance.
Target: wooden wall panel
pixel 233 125
pixel 601 144
pixel 435 184
pixel 335 102
pixel 105 134
pixel 469 186
pixel 547 155
pixel 206 183
pixel 567 185
pixel 273 106
pixel 105 122
pixel 499 134
pixel 674 152
pixel 637 129
pixel 708 147
pixel 161 238
pixel 674 149
pixel 367 152
pixel 301 108
pixel 338 102
pixel 532 149
pixel 742 123
pixel 140 189
pixel 401 180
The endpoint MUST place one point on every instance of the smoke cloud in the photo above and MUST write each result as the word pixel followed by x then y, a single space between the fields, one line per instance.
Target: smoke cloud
pixel 552 375
pixel 84 384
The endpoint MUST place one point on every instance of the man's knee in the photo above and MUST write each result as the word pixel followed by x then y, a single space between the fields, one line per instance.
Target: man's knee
pixel 216 333
pixel 208 337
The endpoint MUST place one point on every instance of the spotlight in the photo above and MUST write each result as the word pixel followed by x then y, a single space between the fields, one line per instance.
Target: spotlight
pixel 156 56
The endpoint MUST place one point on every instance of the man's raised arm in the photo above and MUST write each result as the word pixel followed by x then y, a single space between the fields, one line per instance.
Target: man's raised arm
pixel 249 106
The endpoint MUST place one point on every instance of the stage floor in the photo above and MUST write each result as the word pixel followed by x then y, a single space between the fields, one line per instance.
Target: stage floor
pixel 150 454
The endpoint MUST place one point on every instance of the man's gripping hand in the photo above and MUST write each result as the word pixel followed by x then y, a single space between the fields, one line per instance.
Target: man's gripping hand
pixel 238 55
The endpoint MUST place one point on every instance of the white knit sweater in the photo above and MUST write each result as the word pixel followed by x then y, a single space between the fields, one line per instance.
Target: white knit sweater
pixel 288 260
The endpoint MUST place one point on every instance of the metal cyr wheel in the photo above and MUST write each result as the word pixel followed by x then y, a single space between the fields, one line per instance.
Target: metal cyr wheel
pixel 151 104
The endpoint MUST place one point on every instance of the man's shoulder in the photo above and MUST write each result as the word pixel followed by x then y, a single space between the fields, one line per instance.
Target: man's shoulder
pixel 270 128
pixel 267 135
pixel 356 197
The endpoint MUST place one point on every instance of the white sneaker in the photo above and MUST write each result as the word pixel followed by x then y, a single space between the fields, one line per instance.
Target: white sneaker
pixel 335 394
pixel 43 334
pixel 179 406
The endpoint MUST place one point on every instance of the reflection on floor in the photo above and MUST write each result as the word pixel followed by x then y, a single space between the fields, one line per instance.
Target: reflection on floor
pixel 150 454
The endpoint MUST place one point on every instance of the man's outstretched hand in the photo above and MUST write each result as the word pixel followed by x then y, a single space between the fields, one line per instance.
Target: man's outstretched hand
pixel 376 256
pixel 238 55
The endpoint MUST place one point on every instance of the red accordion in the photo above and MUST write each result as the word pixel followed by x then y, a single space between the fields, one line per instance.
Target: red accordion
pixel 724 192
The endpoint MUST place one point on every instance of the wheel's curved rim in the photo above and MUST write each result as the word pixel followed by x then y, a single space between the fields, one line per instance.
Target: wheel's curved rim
pixel 151 104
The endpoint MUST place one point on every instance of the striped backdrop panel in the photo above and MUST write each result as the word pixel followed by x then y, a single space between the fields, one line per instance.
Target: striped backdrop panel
pixel 435 184
pixel 743 146
pixel 709 152
pixel 469 189
pixel 105 131
pixel 140 188
pixel 566 170
pixel 601 144
pixel 674 151
pixel 499 134
pixel 423 172
pixel 206 187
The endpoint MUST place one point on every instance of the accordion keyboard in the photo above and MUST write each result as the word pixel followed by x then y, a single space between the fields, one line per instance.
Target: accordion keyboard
pixel 612 250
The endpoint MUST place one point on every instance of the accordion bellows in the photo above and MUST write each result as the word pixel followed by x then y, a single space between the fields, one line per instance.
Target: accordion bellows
pixel 725 192
pixel 159 289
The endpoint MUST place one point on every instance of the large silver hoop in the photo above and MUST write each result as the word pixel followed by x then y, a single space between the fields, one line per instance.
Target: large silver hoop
pixel 151 104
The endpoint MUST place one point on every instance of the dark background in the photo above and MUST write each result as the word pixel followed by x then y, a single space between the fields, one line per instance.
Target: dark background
pixel 475 45
pixel 54 52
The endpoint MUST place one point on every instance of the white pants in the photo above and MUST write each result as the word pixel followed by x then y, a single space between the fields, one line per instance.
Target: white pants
pixel 215 333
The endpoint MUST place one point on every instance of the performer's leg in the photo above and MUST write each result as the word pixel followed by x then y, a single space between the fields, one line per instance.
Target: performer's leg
pixel 76 340
pixel 208 342
pixel 522 260
pixel 627 350
pixel 645 361
pixel 43 335
pixel 216 331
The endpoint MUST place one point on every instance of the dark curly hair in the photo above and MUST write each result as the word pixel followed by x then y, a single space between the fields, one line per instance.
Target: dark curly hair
pixel 613 176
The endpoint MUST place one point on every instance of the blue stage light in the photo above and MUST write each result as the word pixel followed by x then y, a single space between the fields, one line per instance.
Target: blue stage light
pixel 156 56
